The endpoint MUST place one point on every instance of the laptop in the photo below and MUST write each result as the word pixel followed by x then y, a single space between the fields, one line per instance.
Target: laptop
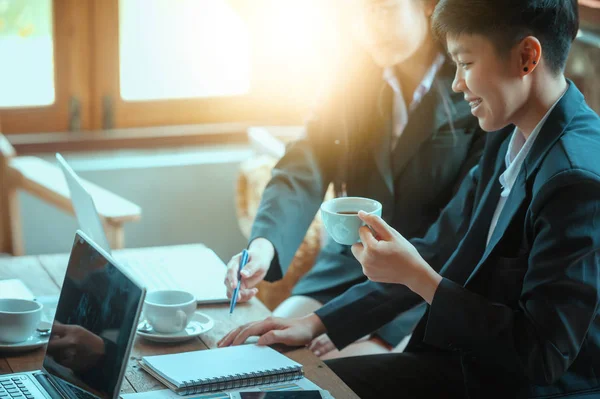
pixel 204 280
pixel 92 334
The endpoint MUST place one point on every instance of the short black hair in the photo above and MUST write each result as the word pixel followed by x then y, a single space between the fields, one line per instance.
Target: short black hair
pixel 506 22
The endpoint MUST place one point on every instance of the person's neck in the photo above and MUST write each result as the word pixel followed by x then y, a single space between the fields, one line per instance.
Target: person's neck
pixel 410 72
pixel 544 93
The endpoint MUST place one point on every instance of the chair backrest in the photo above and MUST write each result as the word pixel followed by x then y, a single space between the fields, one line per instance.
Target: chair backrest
pixel 6 153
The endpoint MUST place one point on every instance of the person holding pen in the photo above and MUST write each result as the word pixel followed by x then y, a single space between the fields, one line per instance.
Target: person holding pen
pixel 234 296
pixel 390 129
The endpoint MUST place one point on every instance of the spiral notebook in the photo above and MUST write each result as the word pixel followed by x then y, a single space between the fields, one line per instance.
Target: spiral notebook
pixel 222 368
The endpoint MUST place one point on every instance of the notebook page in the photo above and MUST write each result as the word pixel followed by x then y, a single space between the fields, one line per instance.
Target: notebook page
pixel 218 363
pixel 14 288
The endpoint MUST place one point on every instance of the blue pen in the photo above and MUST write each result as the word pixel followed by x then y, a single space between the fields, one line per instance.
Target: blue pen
pixel 243 261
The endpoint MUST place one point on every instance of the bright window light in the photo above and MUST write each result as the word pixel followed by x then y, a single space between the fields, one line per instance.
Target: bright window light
pixel 26 53
pixel 175 49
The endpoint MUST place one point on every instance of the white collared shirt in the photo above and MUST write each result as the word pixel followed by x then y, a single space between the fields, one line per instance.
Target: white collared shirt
pixel 401 111
pixel 518 148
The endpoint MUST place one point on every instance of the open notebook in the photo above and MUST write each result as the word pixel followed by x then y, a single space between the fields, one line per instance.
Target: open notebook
pixel 14 288
pixel 222 368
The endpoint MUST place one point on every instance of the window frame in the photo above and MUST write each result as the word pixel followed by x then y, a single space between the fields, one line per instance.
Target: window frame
pixel 263 104
pixel 71 40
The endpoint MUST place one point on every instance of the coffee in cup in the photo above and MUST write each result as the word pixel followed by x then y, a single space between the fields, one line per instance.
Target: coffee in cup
pixel 340 217
pixel 18 319
pixel 169 311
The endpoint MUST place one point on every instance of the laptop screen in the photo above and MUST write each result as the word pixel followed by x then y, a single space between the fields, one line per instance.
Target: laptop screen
pixel 84 207
pixel 95 317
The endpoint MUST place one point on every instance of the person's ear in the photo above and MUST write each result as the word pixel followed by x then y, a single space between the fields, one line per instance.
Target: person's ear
pixel 530 54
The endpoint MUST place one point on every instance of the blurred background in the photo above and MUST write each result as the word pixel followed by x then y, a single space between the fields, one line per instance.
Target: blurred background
pixel 152 100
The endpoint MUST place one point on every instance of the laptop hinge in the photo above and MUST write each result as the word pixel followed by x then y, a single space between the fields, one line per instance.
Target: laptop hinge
pixel 45 381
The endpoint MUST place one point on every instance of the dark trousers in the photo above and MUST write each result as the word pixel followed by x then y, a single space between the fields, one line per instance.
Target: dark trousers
pixel 402 375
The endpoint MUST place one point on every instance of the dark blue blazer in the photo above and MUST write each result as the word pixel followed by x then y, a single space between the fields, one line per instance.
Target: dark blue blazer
pixel 523 311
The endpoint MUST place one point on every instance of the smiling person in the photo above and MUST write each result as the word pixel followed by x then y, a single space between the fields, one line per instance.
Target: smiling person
pixel 389 129
pixel 514 312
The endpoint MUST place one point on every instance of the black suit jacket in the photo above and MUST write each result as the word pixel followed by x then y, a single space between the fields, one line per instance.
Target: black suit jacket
pixel 522 311
pixel 348 142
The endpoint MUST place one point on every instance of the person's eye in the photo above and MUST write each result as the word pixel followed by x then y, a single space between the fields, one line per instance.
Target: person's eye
pixel 464 65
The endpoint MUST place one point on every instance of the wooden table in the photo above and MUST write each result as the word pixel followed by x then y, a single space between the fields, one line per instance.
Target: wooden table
pixel 44 274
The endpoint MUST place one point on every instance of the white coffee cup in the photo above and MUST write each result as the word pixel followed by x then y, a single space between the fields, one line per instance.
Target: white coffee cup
pixel 18 319
pixel 169 311
pixel 340 217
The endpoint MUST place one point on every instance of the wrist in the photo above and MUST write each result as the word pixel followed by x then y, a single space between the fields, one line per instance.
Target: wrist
pixel 426 284
pixel 264 246
pixel 316 325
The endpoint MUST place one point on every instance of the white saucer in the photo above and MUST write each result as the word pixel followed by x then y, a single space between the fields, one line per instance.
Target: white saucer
pixel 33 342
pixel 200 324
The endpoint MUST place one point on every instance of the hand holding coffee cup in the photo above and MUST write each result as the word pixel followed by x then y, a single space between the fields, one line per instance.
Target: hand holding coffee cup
pixel 340 217
pixel 18 319
pixel 169 311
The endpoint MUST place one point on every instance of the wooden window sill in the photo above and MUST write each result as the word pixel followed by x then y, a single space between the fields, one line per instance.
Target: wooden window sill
pixel 148 137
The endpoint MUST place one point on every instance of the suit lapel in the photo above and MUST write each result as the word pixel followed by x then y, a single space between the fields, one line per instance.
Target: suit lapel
pixel 381 151
pixel 417 131
pixel 513 203
pixel 440 111
pixel 473 245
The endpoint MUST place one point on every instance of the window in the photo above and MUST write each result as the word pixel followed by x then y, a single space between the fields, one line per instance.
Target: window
pixel 207 61
pixel 44 73
pixel 70 65
pixel 26 50
pixel 102 64
pixel 182 49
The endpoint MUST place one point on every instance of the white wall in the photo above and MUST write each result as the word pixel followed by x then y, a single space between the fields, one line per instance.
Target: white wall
pixel 186 196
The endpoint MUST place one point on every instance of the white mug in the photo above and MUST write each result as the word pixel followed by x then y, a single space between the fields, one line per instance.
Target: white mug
pixel 18 319
pixel 169 311
pixel 340 217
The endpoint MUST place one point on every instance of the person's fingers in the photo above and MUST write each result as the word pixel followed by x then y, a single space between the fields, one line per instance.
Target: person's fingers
pixel 229 337
pixel 251 268
pixel 321 345
pixel 287 336
pixel 245 295
pixel 58 329
pixel 317 342
pixel 254 329
pixel 251 280
pixel 381 228
pixel 357 250
pixel 325 349
pixel 367 237
pixel 232 271
pixel 59 343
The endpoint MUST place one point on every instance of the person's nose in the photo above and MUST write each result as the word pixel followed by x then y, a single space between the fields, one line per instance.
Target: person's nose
pixel 458 84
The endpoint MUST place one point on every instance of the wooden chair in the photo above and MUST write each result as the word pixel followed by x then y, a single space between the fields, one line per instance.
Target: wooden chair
pixel 254 175
pixel 46 181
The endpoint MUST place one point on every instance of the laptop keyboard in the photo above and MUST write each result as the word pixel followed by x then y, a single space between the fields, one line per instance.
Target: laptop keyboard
pixel 14 388
pixel 74 390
